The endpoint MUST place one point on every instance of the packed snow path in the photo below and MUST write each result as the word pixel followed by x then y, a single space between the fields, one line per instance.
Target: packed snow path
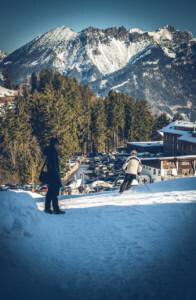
pixel 140 245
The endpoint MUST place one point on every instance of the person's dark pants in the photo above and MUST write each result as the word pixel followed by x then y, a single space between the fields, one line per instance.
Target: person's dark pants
pixel 51 196
pixel 127 182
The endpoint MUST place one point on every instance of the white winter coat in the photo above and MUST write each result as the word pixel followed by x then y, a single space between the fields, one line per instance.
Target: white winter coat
pixel 132 165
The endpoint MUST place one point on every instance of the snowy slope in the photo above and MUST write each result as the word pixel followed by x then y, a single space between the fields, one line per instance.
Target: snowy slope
pixel 140 245
pixel 6 92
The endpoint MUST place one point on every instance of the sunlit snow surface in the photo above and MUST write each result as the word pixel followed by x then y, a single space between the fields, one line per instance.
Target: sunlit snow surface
pixel 140 245
pixel 6 92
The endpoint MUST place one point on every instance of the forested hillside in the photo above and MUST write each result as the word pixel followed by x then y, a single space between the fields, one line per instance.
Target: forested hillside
pixel 58 106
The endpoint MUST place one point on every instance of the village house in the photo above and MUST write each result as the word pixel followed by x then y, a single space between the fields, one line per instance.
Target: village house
pixel 168 167
pixel 179 138
pixel 179 153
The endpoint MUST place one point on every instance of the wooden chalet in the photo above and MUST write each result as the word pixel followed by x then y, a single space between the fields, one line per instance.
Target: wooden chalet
pixel 160 168
pixel 179 153
pixel 179 138
pixel 179 149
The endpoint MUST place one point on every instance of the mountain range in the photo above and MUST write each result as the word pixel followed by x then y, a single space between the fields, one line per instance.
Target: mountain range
pixel 159 66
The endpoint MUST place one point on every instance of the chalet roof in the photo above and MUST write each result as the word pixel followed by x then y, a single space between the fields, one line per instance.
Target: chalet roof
pixel 186 134
pixel 146 144
pixel 169 157
pixel 182 125
pixel 187 137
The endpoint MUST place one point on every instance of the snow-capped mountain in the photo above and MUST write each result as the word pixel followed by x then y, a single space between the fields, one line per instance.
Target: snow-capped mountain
pixel 156 66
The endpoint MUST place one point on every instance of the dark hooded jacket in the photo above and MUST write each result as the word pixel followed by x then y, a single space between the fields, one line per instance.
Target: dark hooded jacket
pixel 53 164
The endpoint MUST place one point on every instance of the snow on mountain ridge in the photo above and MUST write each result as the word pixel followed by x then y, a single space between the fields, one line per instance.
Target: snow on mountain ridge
pixel 68 50
pixel 106 51
pixel 106 58
pixel 133 30
pixel 114 55
pixel 161 34
pixel 57 35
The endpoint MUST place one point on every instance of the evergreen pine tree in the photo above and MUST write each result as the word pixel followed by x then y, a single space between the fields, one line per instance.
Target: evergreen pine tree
pixel 98 128
pixel 161 122
pixel 177 117
pixel 8 82
pixel 16 137
pixel 45 78
pixel 34 82
pixel 114 109
pixel 141 123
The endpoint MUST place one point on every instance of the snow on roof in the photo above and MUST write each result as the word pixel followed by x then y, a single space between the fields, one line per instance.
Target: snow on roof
pixel 184 134
pixel 169 157
pixel 146 144
pixel 181 124
pixel 187 137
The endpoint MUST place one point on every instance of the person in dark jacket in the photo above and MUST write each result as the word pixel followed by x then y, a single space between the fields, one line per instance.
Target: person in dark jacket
pixel 54 174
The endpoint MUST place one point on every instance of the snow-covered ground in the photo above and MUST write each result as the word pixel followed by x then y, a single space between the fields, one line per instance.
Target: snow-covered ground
pixel 6 92
pixel 140 245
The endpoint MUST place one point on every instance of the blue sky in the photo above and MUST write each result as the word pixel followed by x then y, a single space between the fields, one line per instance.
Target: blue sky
pixel 23 20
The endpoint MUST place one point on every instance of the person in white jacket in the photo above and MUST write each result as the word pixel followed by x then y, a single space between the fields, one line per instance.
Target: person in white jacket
pixel 133 167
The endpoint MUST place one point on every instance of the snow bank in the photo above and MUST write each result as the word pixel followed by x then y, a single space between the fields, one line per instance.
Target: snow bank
pixel 172 185
pixel 140 245
pixel 18 214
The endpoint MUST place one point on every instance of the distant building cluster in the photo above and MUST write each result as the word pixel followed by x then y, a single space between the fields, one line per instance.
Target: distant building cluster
pixel 175 156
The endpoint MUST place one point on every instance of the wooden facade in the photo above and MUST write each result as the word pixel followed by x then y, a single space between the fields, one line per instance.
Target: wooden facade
pixel 170 166
pixel 174 144
pixel 170 144
pixel 186 148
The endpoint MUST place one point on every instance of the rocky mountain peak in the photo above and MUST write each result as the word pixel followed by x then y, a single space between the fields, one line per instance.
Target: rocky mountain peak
pixel 140 63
